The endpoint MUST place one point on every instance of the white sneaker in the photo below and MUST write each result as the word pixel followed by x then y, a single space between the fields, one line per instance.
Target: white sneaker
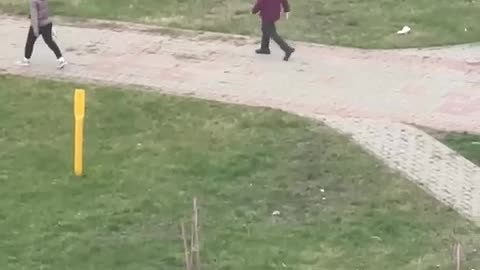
pixel 61 63
pixel 24 62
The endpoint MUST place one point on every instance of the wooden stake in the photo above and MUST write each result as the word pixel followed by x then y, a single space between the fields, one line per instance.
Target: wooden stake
pixel 458 255
pixel 197 230
pixel 185 246
pixel 192 249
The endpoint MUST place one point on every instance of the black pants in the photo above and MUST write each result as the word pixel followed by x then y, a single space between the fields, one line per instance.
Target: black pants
pixel 46 33
pixel 269 31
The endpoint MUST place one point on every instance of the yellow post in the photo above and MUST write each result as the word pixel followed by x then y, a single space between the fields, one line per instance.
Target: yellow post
pixel 79 113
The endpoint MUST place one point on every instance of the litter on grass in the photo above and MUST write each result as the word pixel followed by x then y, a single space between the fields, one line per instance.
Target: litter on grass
pixel 404 30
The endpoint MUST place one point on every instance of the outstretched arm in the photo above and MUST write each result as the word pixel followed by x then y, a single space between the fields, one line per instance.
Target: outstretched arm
pixel 257 7
pixel 34 17
pixel 285 6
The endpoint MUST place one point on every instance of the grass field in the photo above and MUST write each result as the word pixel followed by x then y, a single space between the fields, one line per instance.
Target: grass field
pixel 357 23
pixel 148 155
pixel 468 145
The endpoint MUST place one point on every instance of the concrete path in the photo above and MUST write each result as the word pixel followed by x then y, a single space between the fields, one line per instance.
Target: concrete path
pixel 368 94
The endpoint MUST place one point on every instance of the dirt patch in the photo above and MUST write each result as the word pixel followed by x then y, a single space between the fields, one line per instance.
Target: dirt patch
pixel 193 58
pixel 237 40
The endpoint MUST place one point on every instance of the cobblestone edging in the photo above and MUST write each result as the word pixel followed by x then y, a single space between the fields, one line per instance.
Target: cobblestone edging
pixel 436 168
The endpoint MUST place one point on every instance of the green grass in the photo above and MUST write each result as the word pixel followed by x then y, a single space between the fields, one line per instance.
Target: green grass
pixel 466 144
pixel 357 23
pixel 148 155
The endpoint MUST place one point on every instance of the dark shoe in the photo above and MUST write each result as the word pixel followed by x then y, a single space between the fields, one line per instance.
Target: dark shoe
pixel 288 54
pixel 262 51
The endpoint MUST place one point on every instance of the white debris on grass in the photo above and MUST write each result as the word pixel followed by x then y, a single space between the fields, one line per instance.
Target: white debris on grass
pixel 404 30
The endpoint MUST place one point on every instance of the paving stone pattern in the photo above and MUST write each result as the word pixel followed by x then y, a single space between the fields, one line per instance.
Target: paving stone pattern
pixel 370 94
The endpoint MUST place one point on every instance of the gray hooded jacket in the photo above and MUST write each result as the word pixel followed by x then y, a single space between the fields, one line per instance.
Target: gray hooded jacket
pixel 39 14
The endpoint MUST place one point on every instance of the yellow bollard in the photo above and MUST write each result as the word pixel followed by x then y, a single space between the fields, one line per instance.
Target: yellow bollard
pixel 79 114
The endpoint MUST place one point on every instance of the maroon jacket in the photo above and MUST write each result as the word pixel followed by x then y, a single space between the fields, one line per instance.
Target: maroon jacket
pixel 270 10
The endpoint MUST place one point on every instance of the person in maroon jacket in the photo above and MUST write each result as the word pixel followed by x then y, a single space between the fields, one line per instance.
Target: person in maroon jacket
pixel 270 12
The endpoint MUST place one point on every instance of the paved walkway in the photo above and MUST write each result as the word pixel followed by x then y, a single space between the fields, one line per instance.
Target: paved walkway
pixel 366 93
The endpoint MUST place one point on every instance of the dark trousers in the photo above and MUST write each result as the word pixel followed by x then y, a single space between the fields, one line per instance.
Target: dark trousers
pixel 269 31
pixel 46 33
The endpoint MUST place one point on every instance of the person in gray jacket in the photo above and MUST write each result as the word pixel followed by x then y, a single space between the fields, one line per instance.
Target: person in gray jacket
pixel 41 25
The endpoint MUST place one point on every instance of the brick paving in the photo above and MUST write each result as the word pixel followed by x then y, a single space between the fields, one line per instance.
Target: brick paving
pixel 370 94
